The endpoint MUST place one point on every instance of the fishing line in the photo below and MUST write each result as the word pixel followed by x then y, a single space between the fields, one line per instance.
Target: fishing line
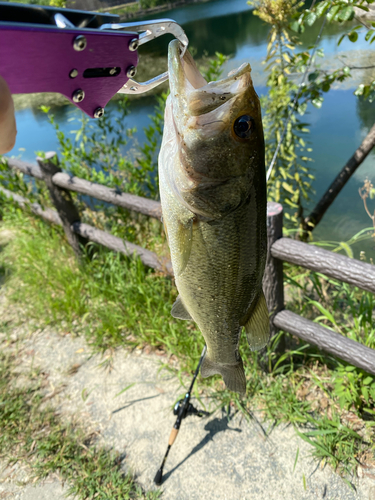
pixel 291 112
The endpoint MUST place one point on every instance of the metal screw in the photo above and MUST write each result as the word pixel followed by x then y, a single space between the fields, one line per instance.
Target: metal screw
pixel 78 95
pixel 113 71
pixel 131 71
pixel 99 112
pixel 80 43
pixel 133 44
pixel 73 73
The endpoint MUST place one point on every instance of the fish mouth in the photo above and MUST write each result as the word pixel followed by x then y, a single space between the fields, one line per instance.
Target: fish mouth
pixel 193 96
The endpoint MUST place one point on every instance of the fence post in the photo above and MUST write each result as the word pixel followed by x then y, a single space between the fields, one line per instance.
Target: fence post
pixel 273 283
pixel 62 200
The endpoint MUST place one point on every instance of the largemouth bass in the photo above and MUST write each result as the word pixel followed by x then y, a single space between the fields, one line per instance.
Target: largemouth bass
pixel 213 196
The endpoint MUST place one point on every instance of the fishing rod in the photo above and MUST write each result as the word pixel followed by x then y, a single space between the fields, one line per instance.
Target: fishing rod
pixel 182 409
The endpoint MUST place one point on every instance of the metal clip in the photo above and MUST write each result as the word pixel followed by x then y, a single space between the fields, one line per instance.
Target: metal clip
pixel 149 31
pixel 62 22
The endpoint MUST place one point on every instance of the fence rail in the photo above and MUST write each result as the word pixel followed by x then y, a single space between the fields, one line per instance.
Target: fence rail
pixel 331 264
pixel 280 249
pixel 144 206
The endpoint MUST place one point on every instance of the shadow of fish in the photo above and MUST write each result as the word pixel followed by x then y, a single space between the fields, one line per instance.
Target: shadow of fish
pixel 213 196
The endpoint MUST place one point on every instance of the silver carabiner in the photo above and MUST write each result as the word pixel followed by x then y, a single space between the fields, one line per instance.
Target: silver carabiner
pixel 149 31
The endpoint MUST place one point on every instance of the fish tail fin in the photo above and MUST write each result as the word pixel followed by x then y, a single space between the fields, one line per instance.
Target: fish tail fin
pixel 257 326
pixel 233 375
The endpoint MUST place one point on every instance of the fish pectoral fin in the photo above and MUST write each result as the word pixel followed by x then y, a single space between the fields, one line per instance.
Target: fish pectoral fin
pixel 257 325
pixel 165 228
pixel 178 310
pixel 184 242
pixel 233 375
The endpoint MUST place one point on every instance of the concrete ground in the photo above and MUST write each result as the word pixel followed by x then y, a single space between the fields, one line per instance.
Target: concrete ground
pixel 15 485
pixel 221 456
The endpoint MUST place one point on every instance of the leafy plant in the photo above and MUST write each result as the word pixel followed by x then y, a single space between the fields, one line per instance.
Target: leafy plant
pixel 341 12
pixel 354 387
pixel 291 180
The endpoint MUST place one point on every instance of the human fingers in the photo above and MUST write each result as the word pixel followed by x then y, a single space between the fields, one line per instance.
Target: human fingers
pixel 8 128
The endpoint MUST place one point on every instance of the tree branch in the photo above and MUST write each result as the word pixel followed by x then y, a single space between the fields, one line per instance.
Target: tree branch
pixel 362 67
pixel 334 189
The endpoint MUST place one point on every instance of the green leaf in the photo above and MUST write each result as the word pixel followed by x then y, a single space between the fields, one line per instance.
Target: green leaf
pixel 365 394
pixel 295 461
pixel 353 36
pixel 360 89
pixel 347 249
pixel 125 389
pixel 317 102
pixel 296 26
pixel 311 18
pixel 367 380
pixel 322 432
pixel 288 187
pixel 342 402
pixel 368 35
pixel 347 14
pixel 323 311
pixel 333 12
pixel 322 8
pixel 44 108
pixel 341 39
pixel 363 7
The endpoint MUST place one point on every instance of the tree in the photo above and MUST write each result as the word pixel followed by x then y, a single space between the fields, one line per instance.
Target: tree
pixel 290 180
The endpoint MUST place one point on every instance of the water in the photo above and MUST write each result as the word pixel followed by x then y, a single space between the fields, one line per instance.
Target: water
pixel 230 27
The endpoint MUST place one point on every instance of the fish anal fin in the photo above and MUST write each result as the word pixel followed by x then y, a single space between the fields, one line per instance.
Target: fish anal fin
pixel 233 375
pixel 178 310
pixel 257 324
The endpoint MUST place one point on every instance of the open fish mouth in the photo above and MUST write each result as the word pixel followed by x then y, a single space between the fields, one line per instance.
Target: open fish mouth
pixel 192 95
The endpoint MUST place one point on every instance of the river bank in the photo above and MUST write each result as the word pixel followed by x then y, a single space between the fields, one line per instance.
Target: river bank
pixel 129 11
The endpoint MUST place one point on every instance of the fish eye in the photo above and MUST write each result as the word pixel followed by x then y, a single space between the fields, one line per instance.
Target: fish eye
pixel 243 126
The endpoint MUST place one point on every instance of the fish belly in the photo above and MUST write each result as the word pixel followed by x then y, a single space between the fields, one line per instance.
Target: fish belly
pixel 222 279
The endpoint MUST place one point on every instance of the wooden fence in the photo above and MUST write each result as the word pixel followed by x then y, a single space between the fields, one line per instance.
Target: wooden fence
pixel 280 250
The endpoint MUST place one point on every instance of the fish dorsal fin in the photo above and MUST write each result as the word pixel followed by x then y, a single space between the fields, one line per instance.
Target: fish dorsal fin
pixel 257 325
pixel 184 237
pixel 178 310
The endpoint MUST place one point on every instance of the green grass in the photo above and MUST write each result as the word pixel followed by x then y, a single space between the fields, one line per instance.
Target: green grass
pixel 116 302
pixel 110 299
pixel 35 434
pixel 126 9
